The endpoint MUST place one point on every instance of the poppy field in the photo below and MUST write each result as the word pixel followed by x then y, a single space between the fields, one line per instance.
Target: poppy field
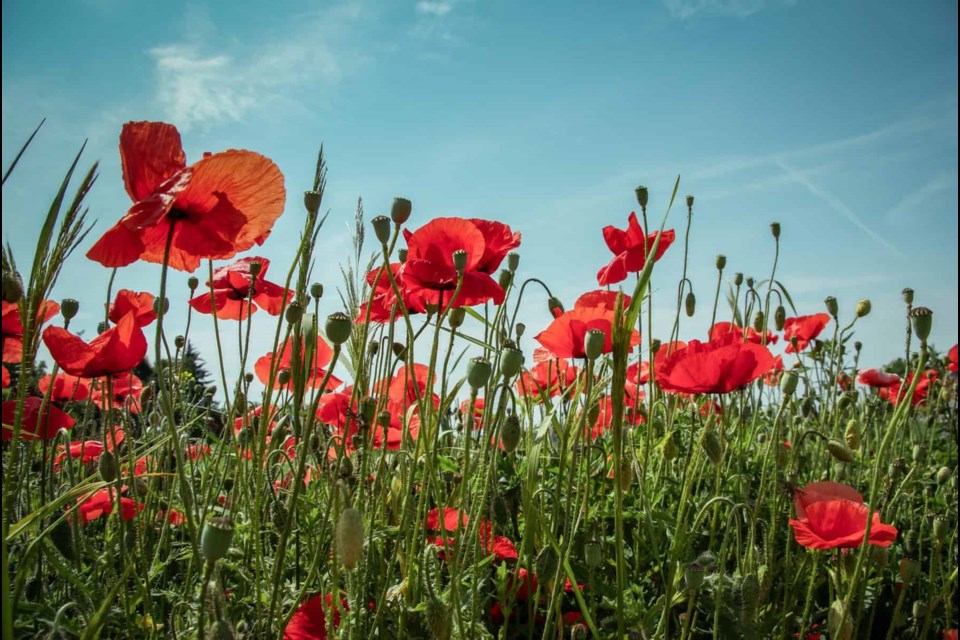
pixel 411 460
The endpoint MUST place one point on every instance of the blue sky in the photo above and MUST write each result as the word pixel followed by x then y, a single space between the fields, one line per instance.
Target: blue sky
pixel 838 119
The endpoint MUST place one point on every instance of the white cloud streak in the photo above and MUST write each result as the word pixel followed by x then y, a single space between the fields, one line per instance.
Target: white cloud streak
pixel 917 201
pixel 686 9
pixel 434 8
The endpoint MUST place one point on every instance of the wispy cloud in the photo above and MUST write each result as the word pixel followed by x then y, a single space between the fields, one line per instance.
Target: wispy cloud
pixel 200 85
pixel 919 200
pixel 834 202
pixel 686 9
pixel 434 8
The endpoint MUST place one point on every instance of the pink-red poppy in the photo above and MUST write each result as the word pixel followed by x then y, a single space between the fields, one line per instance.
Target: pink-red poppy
pixel 64 387
pixel 630 247
pixel 713 367
pixel 140 304
pixel 840 524
pixel 237 292
pixel 117 350
pixel 950 634
pixel 87 451
pixel 309 621
pixel 803 329
pixel 877 379
pixel 892 393
pixel 565 336
pixel 952 359
pixel 548 377
pixel 844 381
pixel 749 334
pixel 34 425
pixel 604 409
pixel 125 389
pixel 772 378
pixel 315 372
pixel 446 522
pixel 103 501
pixel 223 204
pixel 407 386
pixel 821 492
pixel 383 304
pixel 12 328
pixel 6 377
pixel 429 269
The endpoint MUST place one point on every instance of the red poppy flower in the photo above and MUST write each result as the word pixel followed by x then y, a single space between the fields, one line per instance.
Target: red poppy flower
pixel 252 419
pixel 65 387
pixel 383 305
pixel 638 373
pixel 749 334
pixel 232 286
pixel 840 524
pixel 126 389
pixel 844 381
pixel 141 304
pixel 399 422
pixel 34 426
pixel 952 366
pixel 194 452
pixel 6 377
pixel 496 545
pixel 950 634
pixel 102 503
pixel 13 328
pixel 86 450
pixel 892 393
pixel 713 367
pixel 309 622
pixel 772 378
pixel 821 492
pixel 565 336
pixel 429 270
pixel 804 329
pixel 632 413
pixel 548 377
pixel 322 355
pixel 219 206
pixel 174 517
pixel 630 247
pixel 877 379
pixel 405 388
pixel 117 350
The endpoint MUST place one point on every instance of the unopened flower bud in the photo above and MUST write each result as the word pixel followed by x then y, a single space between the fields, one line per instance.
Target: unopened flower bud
pixel 161 305
pixel 857 345
pixel 851 435
pixel 689 202
pixel 788 382
pixel 520 329
pixel 511 361
pixel 381 228
pixel 779 317
pixel 399 349
pixel 311 201
pixel 384 418
pixel 513 261
pixel 840 451
pixel 456 317
pixel 510 433
pixel 721 262
pixel 690 304
pixel 693 575
pixel 107 466
pixel 863 308
pixel 922 320
pixel 669 449
pixel 593 343
pixel 69 308
pixel 775 229
pixel 402 255
pixel 738 279
pixel 759 322
pixel 350 537
pixel 554 306
pixel 643 196
pixel 283 377
pixel 593 554
pixel 12 287
pixel 401 210
pixel 941 529
pixel 216 537
pixel 192 283
pixel 179 342
pixel 478 372
pixel 338 327
pixel 831 304
pixel 368 406
pixel 504 279
pixel 373 348
pixel 908 569
pixel 943 475
pixel 918 453
pixel 907 294
pixel 713 446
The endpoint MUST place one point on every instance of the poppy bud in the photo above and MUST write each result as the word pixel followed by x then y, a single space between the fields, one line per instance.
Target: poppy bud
pixel 161 306
pixel 402 255
pixel 12 287
pixel 399 349
pixel 554 306
pixel 245 436
pixel 851 435
pixel 179 342
pixel 840 628
pixel 381 228
pixel 908 570
pixel 713 446
pixel 383 418
pixel 922 320
pixel 248 377
pixel 283 377
pixel 918 453
pixel 840 451
pixel 504 279
pixel 510 433
pixel 401 210
pixel 779 317
pixel 338 327
pixel 438 618
pixel 643 196
pixel 689 201
pixel 863 308
pixel 845 400
pixel 511 361
pixel 216 538
pixel 775 229
pixel 311 201
pixel 593 343
pixel 907 294
pixel 255 268
pixel 625 477
pixel 513 261
pixel 788 382
pixel 857 345
pixel 749 594
pixel 669 449
pixel 721 262
pixel 373 348
pixel 193 283
pixel 107 466
pixel 943 475
pixel 346 467
pixel 456 317
pixel 690 304
pixel 478 372
pixel 831 303
pixel 693 575
pixel 759 322
pixel 655 344
pixel 918 609
pixel 738 279
pixel 750 282
pixel 367 407
pixel 520 329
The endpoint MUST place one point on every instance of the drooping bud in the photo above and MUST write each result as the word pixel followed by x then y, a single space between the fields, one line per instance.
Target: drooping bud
pixel 311 201
pixel 690 304
pixel 851 435
pixel 511 361
pixel 779 317
pixel 922 320
pixel 401 210
pixel 216 538
pixel 478 372
pixel 840 451
pixel 338 327
pixel 193 282
pixel 510 433
pixel 759 322
pixel 69 308
pixel 788 382
pixel 907 294
pixel 712 446
pixel 941 529
pixel 593 343
pixel 107 466
pixel 643 196
pixel 775 229
pixel 399 349
pixel 721 262
pixel 381 228
pixel 750 282
pixel 554 306
pixel 513 261
pixel 831 304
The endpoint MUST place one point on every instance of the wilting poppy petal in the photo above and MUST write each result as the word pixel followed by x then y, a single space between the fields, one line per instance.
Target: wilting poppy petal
pixel 141 304
pixel 803 329
pixel 116 350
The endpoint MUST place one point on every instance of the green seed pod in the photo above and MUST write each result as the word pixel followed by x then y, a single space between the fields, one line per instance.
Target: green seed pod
pixel 456 317
pixel 107 465
pixel 294 312
pixel 721 262
pixel 338 327
pixel 504 279
pixel 511 361
pixel 840 451
pixel 712 446
pixel 12 287
pixel 69 308
pixel 737 279
pixel 61 535
pixel 592 554
pixel 216 538
pixel 384 418
pixel 513 261
pixel 694 575
pixel 833 308
pixel 381 229
pixel 255 267
pixel 922 320
pixel 689 202
pixel 593 343
pixel 839 628
pixel 316 290
pixel 750 282
pixel 350 537
pixel 478 372
pixel 918 609
pixel 690 304
pixel 311 201
pixel 510 433
pixel 863 308
pixel 775 229
pixel 941 529
pixel 909 570
pixel 907 294
pixel 851 435
pixel 402 255
pixel 401 210
pixel 283 377
pixel 179 342
pixel 779 317
pixel 161 306
pixel 643 196
pixel 943 475
pixel 788 382
pixel 460 260
pixel 520 329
